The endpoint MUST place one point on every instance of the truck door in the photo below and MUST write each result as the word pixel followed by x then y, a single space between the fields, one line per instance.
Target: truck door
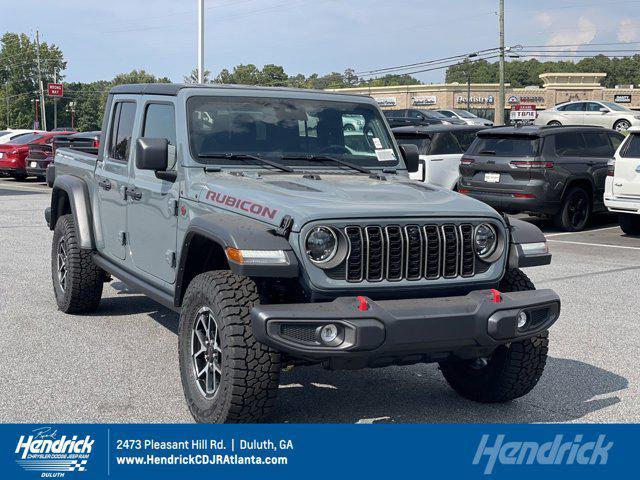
pixel 112 178
pixel 152 203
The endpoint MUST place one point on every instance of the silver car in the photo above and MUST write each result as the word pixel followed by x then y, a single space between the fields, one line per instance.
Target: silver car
pixel 597 113
pixel 466 116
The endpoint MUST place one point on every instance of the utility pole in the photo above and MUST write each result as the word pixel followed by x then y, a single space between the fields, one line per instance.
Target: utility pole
pixel 200 41
pixel 43 112
pixel 500 116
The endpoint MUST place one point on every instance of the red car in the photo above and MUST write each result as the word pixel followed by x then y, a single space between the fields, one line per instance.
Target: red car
pixel 13 155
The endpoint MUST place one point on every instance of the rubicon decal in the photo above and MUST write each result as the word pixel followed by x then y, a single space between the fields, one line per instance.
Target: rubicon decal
pixel 242 204
pixel 46 451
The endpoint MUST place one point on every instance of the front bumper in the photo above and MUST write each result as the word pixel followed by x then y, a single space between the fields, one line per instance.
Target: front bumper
pixel 404 331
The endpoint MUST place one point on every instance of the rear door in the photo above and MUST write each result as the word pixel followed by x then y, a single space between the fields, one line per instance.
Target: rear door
pixel 498 163
pixel 112 177
pixel 152 203
pixel 443 161
pixel 626 180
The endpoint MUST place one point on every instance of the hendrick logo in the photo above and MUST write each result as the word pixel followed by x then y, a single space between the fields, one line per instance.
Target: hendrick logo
pixel 46 451
pixel 556 452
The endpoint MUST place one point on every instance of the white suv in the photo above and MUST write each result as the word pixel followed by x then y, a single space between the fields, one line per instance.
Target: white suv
pixel 622 187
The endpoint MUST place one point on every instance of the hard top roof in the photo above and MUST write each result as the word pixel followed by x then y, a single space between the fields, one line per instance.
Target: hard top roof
pixel 537 131
pixel 425 129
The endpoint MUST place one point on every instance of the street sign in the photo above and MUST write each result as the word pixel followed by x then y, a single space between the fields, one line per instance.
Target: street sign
pixel 523 113
pixel 54 89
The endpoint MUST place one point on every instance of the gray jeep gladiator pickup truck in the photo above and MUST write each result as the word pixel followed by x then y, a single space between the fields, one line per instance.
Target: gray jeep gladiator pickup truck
pixel 283 240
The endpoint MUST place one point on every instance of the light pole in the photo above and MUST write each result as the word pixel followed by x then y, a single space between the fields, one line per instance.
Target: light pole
pixel 500 116
pixel 471 55
pixel 200 41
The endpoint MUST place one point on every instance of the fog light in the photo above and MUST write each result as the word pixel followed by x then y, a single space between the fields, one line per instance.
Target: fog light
pixel 522 320
pixel 329 333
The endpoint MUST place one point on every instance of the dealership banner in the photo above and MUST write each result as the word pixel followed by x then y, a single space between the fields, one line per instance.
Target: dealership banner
pixel 84 452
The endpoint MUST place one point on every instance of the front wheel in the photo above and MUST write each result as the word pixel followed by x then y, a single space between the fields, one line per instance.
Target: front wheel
pixel 629 223
pixel 511 371
pixel 227 376
pixel 622 125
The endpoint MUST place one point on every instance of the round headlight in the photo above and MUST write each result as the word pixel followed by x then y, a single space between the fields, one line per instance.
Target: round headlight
pixel 485 240
pixel 321 244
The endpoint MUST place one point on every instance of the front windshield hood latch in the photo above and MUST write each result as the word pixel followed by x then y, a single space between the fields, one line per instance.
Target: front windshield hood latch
pixel 285 227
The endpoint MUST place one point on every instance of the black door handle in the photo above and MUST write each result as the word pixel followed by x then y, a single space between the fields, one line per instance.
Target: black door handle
pixel 134 194
pixel 105 184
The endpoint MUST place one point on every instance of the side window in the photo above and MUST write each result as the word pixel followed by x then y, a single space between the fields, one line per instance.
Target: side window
pixel 444 144
pixel 592 107
pixel 122 129
pixel 573 107
pixel 569 144
pixel 415 114
pixel 447 113
pixel 632 148
pixel 160 122
pixel 596 145
pixel 465 139
pixel 616 141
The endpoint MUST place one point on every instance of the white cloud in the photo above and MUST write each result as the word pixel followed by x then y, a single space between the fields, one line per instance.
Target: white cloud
pixel 544 19
pixel 584 33
pixel 627 31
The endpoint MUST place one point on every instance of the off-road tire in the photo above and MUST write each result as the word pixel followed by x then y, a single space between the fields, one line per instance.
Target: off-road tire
pixel 511 371
pixel 84 279
pixel 563 218
pixel 250 371
pixel 629 223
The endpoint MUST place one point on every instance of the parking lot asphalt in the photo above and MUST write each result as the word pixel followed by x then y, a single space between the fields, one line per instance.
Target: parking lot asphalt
pixel 120 364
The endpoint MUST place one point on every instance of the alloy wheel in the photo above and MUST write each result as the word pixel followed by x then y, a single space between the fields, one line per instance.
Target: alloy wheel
pixel 578 210
pixel 622 126
pixel 62 264
pixel 206 353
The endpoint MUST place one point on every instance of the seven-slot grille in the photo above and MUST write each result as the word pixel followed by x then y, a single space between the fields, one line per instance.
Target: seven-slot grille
pixel 409 252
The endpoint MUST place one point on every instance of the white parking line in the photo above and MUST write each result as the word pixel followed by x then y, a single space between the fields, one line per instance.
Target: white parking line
pixel 23 187
pixel 595 244
pixel 584 231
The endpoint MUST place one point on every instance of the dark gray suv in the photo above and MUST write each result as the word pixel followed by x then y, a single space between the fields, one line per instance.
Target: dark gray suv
pixel 552 171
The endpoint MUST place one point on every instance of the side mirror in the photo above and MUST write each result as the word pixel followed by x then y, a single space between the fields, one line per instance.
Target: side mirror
pixel 604 110
pixel 411 157
pixel 152 154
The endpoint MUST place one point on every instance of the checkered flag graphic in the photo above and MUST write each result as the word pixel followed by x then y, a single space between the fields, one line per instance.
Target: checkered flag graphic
pixel 78 466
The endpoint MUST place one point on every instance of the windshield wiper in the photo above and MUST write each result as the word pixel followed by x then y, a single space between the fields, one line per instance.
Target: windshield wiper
pixel 323 158
pixel 244 156
pixel 487 152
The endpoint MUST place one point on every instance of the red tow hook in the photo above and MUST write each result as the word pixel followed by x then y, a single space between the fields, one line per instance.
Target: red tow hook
pixel 497 296
pixel 363 306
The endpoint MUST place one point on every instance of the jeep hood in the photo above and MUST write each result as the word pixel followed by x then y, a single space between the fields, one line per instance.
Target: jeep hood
pixel 271 197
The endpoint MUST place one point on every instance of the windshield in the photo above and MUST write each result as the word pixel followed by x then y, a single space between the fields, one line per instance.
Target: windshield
pixel 465 114
pixel 25 138
pixel 510 146
pixel 616 107
pixel 277 127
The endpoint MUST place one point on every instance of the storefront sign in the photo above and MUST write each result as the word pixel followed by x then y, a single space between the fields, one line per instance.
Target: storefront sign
pixel 424 100
pixel 523 113
pixel 622 98
pixel 386 101
pixel 488 100
pixel 513 99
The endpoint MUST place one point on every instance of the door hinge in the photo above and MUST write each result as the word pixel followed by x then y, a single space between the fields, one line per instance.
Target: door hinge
pixel 170 257
pixel 123 238
pixel 173 207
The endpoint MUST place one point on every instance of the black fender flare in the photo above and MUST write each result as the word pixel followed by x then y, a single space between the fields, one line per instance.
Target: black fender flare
pixel 524 232
pixel 242 233
pixel 77 192
pixel 572 180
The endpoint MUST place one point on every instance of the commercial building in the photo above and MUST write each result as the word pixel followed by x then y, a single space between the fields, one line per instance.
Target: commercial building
pixel 483 99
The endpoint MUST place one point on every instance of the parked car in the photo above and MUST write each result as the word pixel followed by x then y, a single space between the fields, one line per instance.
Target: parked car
pixel 440 148
pixel 466 116
pixel 280 247
pixel 6 136
pixel 41 155
pixel 413 116
pixel 13 155
pixel 622 187
pixel 596 113
pixel 554 171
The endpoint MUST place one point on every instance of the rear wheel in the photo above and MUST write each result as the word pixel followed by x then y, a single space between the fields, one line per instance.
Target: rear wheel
pixel 77 281
pixel 575 211
pixel 629 223
pixel 511 371
pixel 227 376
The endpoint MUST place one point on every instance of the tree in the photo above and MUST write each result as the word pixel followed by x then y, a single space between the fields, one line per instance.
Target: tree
pixel 391 79
pixel 193 76
pixel 19 77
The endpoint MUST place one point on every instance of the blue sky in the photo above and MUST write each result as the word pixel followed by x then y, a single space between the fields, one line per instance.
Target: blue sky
pixel 103 38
